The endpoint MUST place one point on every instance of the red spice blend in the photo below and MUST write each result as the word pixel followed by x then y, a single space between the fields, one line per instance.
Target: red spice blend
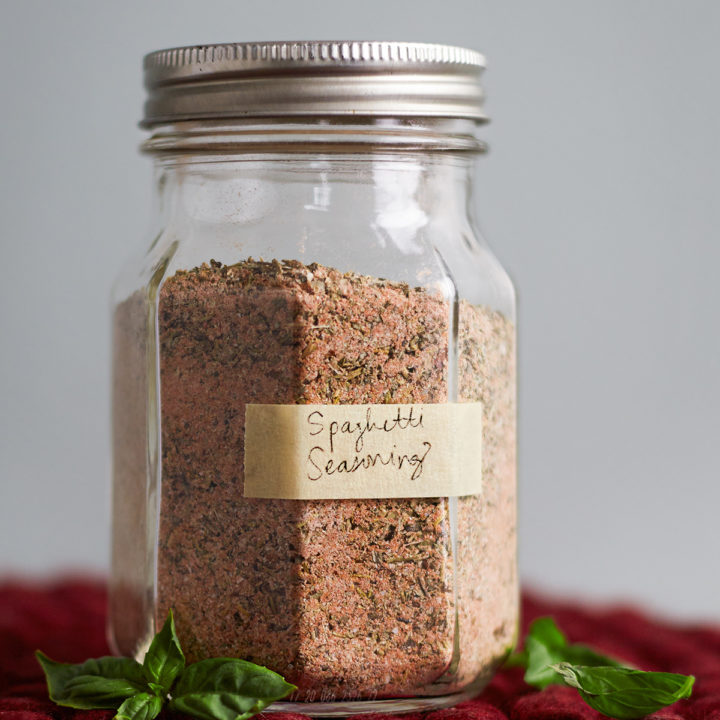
pixel 348 598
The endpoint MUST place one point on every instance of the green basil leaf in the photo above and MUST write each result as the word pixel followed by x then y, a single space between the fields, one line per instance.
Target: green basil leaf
pixel 579 654
pixel 227 689
pixel 164 659
pixel 95 684
pixel 545 646
pixel 516 659
pixel 625 693
pixel 142 706
pixel 545 630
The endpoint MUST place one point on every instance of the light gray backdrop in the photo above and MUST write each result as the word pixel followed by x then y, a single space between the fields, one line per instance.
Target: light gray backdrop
pixel 600 195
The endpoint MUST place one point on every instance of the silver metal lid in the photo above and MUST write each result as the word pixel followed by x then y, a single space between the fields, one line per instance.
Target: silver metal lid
pixel 324 78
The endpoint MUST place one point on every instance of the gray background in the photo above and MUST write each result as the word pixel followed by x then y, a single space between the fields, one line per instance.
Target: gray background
pixel 600 195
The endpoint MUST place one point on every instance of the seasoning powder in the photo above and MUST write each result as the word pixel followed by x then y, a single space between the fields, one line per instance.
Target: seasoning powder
pixel 353 598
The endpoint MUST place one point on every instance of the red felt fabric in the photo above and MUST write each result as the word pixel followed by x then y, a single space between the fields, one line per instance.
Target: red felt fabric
pixel 66 619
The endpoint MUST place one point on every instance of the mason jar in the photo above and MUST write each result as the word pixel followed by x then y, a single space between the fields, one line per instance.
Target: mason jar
pixel 314 377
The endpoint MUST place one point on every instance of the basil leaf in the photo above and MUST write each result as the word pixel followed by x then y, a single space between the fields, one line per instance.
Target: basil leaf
pixel 579 654
pixel 103 683
pixel 545 646
pixel 227 689
pixel 142 706
pixel 547 632
pixel 164 658
pixel 625 693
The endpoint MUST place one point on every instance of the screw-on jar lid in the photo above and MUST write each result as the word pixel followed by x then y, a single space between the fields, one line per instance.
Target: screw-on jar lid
pixel 296 79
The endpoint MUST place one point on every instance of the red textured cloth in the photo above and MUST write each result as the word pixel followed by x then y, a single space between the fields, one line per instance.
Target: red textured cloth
pixel 66 619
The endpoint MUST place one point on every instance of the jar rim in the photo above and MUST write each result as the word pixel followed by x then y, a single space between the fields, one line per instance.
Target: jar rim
pixel 329 136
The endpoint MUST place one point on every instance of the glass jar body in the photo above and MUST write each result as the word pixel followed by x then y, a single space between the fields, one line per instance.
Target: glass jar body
pixel 324 277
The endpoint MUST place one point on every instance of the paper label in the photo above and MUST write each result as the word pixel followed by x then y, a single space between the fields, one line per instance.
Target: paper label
pixel 316 452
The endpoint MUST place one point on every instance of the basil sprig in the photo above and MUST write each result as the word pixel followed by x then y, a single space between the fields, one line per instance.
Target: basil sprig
pixel 623 692
pixel 216 689
pixel 226 689
pixel 604 683
pixel 545 646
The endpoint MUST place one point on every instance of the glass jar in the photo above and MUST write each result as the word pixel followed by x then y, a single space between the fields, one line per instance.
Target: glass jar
pixel 314 378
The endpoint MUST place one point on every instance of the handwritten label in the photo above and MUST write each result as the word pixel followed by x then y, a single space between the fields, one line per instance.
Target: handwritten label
pixel 316 452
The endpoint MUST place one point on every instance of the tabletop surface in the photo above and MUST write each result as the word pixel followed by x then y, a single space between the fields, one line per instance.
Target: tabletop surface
pixel 65 618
